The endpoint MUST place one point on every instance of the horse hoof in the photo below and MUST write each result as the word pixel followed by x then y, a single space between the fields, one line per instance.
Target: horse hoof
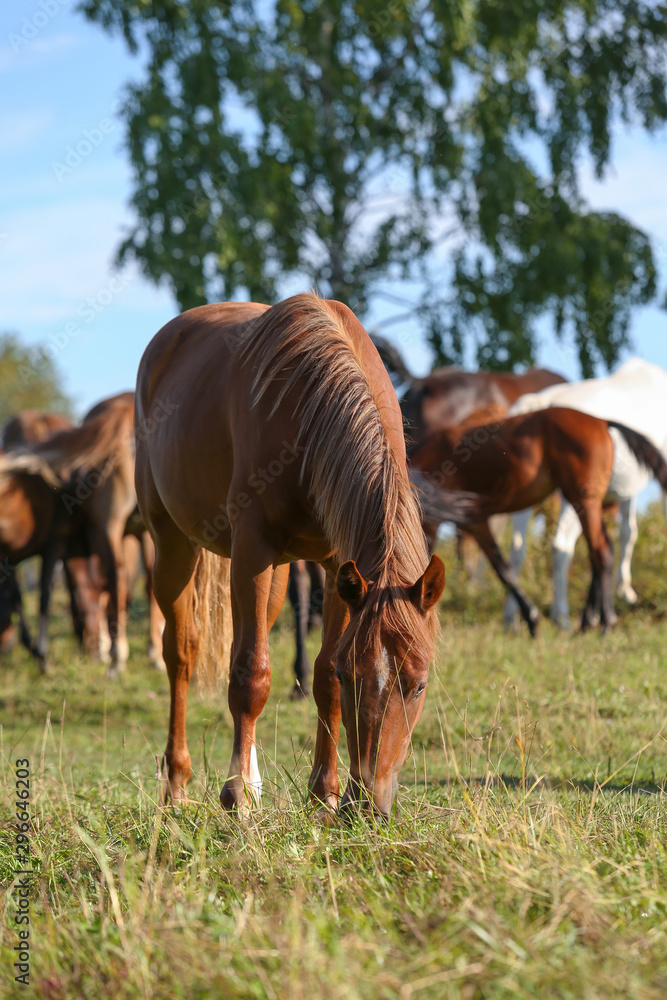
pixel 172 798
pixel 8 644
pixel 114 671
pixel 322 816
pixel 299 693
pixel 44 667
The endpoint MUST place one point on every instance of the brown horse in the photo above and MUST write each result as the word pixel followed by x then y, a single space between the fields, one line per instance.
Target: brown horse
pixel 67 499
pixel 95 465
pixel 286 442
pixel 71 496
pixel 516 463
pixel 29 427
pixel 450 397
pixel 33 523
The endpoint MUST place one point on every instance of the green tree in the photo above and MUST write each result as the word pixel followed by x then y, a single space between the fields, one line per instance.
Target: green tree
pixel 342 141
pixel 29 380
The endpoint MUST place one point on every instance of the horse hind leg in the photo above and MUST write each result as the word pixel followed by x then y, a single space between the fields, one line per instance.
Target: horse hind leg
pixel 601 554
pixel 173 587
pixel 299 597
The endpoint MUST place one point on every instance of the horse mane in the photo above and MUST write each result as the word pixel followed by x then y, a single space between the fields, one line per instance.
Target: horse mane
pixel 19 461
pixel 360 492
pixel 96 445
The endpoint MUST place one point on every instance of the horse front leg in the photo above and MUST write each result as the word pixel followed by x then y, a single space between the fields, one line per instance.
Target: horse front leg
pixel 250 672
pixel 482 534
pixel 601 553
pixel 323 782
pixel 156 618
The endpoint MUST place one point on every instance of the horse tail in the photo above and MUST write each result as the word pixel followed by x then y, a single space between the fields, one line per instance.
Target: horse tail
pixel 458 506
pixel 213 619
pixel 393 362
pixel 644 451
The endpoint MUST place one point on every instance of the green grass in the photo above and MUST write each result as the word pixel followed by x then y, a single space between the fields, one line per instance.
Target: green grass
pixel 529 857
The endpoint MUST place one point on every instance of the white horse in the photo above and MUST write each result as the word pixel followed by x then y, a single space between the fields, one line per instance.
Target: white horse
pixel 635 395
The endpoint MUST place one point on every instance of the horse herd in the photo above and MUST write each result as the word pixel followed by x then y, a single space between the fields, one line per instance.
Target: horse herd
pixel 260 437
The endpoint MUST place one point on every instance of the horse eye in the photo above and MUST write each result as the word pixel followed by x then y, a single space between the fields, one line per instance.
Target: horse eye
pixel 339 676
pixel 420 689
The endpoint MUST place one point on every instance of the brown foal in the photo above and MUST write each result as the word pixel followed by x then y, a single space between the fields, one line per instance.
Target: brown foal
pixel 516 463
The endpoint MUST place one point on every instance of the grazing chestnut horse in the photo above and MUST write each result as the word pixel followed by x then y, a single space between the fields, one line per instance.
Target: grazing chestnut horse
pixel 517 463
pixel 286 442
pixel 450 397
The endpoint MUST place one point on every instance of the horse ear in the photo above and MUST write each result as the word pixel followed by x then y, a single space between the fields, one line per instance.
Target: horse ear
pixel 425 593
pixel 351 585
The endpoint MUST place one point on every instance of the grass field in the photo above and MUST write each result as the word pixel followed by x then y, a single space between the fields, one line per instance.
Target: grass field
pixel 529 857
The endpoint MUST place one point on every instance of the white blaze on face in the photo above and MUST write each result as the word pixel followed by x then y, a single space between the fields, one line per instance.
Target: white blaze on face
pixel 383 670
pixel 255 776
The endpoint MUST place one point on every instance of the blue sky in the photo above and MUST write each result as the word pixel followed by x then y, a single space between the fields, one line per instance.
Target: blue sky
pixel 59 229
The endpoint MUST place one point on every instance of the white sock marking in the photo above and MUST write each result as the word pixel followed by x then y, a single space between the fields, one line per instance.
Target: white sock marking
pixel 255 776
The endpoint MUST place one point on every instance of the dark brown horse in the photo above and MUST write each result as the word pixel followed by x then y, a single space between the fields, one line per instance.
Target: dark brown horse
pixel 450 397
pixel 286 442
pixel 516 463
pixel 33 523
pixel 26 429
pixel 29 427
